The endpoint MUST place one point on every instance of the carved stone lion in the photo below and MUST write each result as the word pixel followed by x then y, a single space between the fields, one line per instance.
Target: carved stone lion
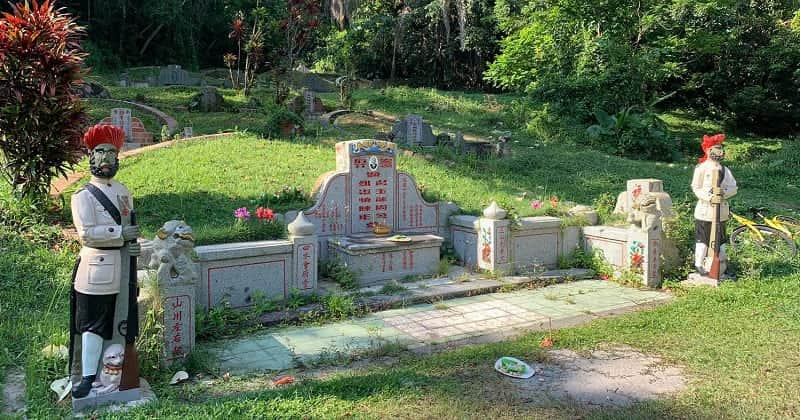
pixel 646 214
pixel 169 253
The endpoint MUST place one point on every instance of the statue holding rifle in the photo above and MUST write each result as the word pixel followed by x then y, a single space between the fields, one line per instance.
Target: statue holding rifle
pixel 103 310
pixel 712 184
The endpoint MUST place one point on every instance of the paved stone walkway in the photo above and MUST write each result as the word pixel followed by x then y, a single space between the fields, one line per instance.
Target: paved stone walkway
pixel 483 318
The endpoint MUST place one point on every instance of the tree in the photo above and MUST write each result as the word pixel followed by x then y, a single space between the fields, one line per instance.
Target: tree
pixel 41 119
pixel 303 18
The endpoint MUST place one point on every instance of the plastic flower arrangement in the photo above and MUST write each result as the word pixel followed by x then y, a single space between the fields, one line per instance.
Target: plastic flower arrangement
pixel 241 214
pixel 265 214
pixel 261 227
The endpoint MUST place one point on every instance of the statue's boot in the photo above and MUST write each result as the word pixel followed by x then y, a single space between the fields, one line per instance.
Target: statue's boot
pixel 91 346
pixel 700 250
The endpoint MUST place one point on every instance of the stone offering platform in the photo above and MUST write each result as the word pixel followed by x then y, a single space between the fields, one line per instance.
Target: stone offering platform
pixel 377 259
pixel 425 327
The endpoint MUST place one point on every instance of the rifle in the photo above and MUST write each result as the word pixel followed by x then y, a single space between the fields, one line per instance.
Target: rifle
pixel 713 245
pixel 130 363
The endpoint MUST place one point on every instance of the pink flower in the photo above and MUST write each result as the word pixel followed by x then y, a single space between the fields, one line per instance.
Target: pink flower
pixel 536 204
pixel 265 213
pixel 242 214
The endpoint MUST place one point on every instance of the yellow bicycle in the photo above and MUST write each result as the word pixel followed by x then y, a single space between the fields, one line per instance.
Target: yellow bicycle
pixel 776 235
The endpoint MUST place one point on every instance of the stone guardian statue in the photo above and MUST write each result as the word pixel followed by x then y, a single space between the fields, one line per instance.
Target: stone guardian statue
pixel 713 184
pixel 101 212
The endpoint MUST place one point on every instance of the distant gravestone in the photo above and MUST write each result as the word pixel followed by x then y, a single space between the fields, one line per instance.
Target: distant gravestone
pixel 173 74
pixel 312 105
pixel 187 132
pixel 139 134
pixel 413 130
pixel 121 117
pixel 313 82
pixel 208 100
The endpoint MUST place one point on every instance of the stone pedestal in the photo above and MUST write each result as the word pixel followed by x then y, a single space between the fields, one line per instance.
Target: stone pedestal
pixel 493 238
pixel 116 397
pixel 644 252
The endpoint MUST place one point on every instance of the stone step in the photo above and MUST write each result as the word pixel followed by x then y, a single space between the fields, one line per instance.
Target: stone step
pixel 459 283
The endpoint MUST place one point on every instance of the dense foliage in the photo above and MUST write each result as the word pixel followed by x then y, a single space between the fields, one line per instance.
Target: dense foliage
pixel 444 43
pixel 41 119
pixel 725 57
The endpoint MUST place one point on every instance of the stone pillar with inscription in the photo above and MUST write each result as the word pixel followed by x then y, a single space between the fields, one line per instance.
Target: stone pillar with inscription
pixel 493 240
pixel 644 254
pixel 302 233
pixel 169 259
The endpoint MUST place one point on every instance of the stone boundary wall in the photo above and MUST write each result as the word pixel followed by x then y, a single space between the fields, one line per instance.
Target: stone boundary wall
pixel 494 245
pixel 234 273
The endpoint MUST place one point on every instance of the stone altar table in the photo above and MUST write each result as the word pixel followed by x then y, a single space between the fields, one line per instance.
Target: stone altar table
pixel 377 259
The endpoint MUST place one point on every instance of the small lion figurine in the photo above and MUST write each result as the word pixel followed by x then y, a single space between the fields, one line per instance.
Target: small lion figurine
pixel 108 379
pixel 170 253
pixel 646 214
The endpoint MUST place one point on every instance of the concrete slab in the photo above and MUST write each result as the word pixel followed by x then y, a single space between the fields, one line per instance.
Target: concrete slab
pixel 424 327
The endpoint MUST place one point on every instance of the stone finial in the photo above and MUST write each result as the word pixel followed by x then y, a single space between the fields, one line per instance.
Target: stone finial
pixel 301 226
pixel 494 212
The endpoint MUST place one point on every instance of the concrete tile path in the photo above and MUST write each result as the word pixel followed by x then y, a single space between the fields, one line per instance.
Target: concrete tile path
pixel 482 318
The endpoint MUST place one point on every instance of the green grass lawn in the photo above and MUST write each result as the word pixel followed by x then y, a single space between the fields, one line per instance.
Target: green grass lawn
pixel 738 343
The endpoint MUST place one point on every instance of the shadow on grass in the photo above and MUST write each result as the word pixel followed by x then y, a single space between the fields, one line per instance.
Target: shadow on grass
pixel 209 214
pixel 391 392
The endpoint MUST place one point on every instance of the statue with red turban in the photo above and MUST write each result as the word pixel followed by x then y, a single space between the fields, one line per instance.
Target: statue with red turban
pixel 712 184
pixel 101 212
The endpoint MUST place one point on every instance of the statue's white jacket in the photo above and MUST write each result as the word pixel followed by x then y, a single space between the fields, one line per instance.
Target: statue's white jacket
pixel 702 184
pixel 99 271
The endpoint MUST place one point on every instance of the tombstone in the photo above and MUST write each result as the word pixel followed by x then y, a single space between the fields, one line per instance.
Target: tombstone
pixel 366 189
pixel 312 105
pixel 124 80
pixel 412 131
pixel 208 100
pixel 139 136
pixel 187 132
pixel 493 240
pixel 312 81
pixel 121 117
pixel 173 74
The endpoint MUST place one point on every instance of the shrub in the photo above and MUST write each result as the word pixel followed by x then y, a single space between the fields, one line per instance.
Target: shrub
pixel 281 122
pixel 41 119
pixel 339 273
pixel 635 134
pixel 733 59
pixel 287 198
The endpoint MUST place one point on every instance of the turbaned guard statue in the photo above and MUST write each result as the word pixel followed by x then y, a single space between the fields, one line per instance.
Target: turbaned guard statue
pixel 102 212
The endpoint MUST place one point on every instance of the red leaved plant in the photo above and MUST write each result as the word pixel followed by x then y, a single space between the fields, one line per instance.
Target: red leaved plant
pixel 41 118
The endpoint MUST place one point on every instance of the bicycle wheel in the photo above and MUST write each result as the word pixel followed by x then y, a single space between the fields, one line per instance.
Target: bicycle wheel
pixel 775 242
pixel 790 223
